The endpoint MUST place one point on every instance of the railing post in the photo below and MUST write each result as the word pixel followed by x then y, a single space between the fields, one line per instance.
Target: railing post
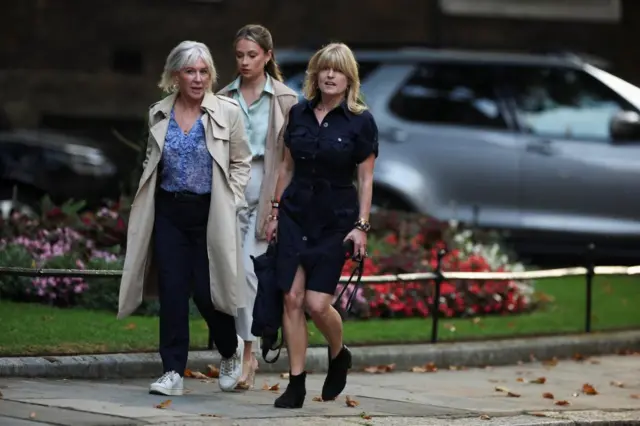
pixel 589 281
pixel 436 296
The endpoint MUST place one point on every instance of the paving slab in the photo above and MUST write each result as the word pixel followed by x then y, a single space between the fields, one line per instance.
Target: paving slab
pixel 445 397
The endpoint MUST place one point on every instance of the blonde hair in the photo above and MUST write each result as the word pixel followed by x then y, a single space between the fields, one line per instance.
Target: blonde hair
pixel 183 55
pixel 262 37
pixel 338 57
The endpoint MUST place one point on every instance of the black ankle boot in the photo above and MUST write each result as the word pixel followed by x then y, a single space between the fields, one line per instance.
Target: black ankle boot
pixel 337 375
pixel 293 396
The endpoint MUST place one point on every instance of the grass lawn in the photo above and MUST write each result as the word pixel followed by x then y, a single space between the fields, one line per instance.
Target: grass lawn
pixel 35 329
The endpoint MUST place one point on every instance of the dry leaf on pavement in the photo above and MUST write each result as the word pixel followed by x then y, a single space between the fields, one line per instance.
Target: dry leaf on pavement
pixel 365 416
pixel 578 357
pixel 194 374
pixel 539 380
pixel 485 417
pixel 213 371
pixel 164 404
pixel 318 399
pixel 520 380
pixel 209 415
pixel 429 367
pixel 273 388
pixel 635 396
pixel 548 395
pixel 536 414
pixel 379 369
pixel 617 384
pixel 284 376
pixel 351 402
pixel 562 402
pixel 550 362
pixel 588 389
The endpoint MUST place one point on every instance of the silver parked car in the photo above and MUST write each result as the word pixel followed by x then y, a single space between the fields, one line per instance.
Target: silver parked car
pixel 528 143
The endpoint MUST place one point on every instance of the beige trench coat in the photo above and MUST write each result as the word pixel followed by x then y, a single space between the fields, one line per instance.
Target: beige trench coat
pixel 282 101
pixel 228 145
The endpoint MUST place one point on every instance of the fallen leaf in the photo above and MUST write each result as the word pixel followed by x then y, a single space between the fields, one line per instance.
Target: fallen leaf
pixel 365 416
pixel 476 320
pixel 594 361
pixel 520 379
pixel 275 387
pixel 562 402
pixel 548 395
pixel 501 389
pixel 551 362
pixel 617 384
pixel 485 417
pixel 578 357
pixel 130 326
pixel 284 376
pixel 209 415
pixel 513 394
pixel 453 368
pixel 635 396
pixel 194 374
pixel 351 402
pixel 164 404
pixel 427 368
pixel 588 389
pixel 379 369
pixel 243 386
pixel 318 399
pixel 213 371
pixel 539 380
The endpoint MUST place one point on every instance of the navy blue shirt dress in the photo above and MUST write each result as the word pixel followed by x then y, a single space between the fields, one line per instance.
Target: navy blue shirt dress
pixel 320 206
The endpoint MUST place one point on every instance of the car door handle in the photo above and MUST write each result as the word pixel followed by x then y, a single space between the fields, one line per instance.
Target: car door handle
pixel 543 147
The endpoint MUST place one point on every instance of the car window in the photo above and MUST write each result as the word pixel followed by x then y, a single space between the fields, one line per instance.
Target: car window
pixel 451 94
pixel 563 102
pixel 294 73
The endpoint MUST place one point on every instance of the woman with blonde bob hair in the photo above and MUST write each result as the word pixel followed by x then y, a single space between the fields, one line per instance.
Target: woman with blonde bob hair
pixel 184 216
pixel 330 137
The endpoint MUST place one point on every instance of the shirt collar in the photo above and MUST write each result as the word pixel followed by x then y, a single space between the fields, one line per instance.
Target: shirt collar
pixel 268 86
pixel 311 104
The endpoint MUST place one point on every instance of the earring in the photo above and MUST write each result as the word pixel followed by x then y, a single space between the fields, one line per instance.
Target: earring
pixel 175 86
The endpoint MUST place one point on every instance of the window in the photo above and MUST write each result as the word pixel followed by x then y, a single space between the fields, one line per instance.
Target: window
pixel 564 103
pixel 451 94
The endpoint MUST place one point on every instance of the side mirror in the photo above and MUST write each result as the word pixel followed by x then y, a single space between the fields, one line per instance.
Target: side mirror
pixel 625 127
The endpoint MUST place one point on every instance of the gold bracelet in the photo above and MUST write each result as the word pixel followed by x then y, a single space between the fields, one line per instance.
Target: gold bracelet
pixel 363 225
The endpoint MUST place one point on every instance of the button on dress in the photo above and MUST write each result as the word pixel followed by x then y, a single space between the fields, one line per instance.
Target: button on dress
pixel 320 206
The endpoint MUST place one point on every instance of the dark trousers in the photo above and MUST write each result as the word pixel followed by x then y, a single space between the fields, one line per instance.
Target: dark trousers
pixel 180 250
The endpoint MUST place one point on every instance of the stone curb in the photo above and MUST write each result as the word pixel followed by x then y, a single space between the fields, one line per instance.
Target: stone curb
pixel 468 354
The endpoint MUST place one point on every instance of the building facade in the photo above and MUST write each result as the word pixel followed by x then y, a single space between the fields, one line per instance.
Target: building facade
pixel 95 64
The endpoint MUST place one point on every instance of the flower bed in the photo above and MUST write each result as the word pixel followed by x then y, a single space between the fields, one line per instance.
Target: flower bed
pixel 64 238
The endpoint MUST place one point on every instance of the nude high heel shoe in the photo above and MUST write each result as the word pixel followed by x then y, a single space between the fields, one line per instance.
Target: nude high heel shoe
pixel 248 382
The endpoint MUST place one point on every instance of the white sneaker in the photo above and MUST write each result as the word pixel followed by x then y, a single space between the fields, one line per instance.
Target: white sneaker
pixel 170 383
pixel 231 369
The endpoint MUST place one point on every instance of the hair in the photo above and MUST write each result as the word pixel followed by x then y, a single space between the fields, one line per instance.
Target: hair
pixel 183 55
pixel 338 57
pixel 262 37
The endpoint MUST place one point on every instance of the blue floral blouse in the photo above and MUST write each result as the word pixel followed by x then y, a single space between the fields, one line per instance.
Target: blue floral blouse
pixel 186 161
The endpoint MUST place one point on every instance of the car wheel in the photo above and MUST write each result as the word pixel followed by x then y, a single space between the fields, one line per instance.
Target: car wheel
pixel 16 199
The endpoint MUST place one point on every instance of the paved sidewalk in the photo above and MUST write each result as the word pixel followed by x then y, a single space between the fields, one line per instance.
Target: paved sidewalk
pixel 445 397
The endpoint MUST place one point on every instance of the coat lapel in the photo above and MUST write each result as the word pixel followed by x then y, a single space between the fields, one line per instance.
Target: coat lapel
pixel 216 130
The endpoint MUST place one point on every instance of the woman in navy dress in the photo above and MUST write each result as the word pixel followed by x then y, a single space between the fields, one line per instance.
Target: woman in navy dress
pixel 330 139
